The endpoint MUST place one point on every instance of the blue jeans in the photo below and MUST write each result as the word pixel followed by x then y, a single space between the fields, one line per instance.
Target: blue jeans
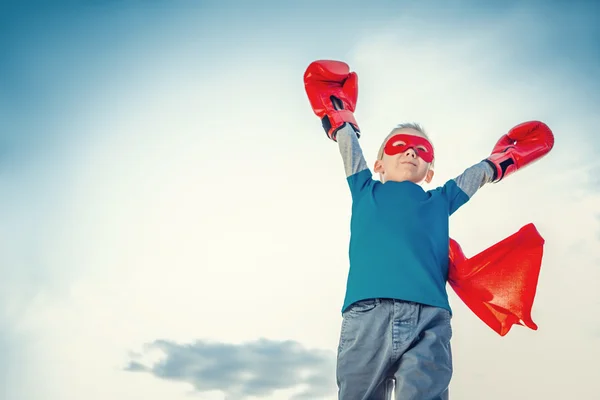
pixel 385 342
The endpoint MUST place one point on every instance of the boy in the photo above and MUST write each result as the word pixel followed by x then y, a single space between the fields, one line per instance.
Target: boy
pixel 396 315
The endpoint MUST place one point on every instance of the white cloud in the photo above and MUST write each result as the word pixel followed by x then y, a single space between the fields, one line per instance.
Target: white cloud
pixel 253 369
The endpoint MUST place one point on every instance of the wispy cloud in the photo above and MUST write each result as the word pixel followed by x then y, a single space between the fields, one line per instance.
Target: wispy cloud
pixel 258 368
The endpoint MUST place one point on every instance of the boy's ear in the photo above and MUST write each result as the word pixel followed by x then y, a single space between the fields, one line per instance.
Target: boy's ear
pixel 378 168
pixel 429 175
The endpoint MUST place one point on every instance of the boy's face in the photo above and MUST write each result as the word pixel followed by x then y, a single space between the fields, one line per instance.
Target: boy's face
pixel 406 165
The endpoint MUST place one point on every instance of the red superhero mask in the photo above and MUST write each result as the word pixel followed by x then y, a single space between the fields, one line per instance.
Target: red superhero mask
pixel 401 142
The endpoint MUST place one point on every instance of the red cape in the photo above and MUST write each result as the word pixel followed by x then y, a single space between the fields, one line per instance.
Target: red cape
pixel 499 284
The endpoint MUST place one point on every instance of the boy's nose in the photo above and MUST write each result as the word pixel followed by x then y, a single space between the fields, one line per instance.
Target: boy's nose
pixel 410 152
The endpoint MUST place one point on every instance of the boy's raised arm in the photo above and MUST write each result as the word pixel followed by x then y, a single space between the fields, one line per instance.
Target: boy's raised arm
pixel 333 91
pixel 521 146
pixel 473 178
pixel 460 189
pixel 352 155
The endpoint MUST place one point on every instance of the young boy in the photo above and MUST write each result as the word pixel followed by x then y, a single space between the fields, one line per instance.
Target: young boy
pixel 396 315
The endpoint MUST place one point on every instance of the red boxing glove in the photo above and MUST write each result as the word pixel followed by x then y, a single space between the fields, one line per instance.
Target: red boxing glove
pixel 332 91
pixel 524 144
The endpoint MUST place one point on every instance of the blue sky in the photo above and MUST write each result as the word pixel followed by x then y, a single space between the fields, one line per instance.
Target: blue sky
pixel 163 182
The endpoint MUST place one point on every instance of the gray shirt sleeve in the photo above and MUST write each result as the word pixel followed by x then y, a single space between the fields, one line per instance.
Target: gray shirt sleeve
pixel 474 178
pixel 352 155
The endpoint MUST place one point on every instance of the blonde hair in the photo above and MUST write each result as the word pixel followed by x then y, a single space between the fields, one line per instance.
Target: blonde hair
pixel 405 125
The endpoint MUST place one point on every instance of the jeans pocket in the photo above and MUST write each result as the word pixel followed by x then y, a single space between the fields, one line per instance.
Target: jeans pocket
pixel 363 306
pixel 357 320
